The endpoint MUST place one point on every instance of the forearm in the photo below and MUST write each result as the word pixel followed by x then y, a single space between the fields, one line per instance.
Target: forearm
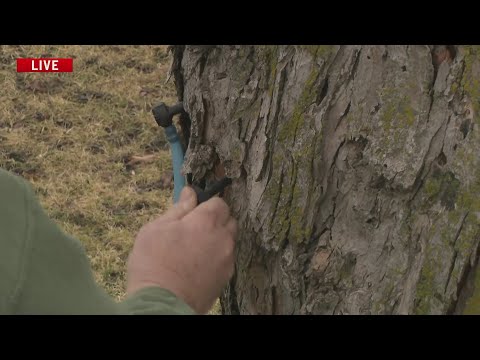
pixel 58 279
pixel 155 301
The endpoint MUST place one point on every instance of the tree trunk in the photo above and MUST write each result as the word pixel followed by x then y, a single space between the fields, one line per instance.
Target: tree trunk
pixel 356 173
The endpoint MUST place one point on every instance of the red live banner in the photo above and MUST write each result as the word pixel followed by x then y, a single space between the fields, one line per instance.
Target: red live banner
pixel 45 65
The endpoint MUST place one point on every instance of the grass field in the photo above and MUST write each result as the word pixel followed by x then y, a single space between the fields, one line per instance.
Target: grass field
pixel 75 137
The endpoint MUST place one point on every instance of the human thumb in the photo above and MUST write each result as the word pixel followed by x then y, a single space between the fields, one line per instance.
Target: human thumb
pixel 185 204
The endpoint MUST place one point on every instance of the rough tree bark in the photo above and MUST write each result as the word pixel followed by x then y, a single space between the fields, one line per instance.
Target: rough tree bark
pixel 356 172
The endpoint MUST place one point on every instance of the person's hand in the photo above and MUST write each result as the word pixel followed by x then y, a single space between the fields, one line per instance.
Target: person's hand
pixel 189 250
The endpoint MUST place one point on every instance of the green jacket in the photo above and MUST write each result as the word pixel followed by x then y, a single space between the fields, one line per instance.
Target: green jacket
pixel 45 271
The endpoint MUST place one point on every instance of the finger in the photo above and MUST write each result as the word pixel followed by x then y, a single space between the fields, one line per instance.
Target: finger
pixel 229 253
pixel 186 203
pixel 232 227
pixel 217 209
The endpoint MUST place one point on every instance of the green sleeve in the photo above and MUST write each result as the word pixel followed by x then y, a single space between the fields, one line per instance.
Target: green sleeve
pixel 45 271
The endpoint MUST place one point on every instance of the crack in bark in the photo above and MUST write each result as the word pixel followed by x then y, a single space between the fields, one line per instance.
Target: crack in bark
pixel 272 139
pixel 177 70
pixel 323 92
pixel 431 92
pixel 463 282
pixel 434 63
pixel 430 147
pixel 450 270
pixel 455 252
pixel 421 174
pixel 312 183
pixel 384 245
pixel 290 198
pixel 353 71
pixel 432 100
pixel 334 199
pixel 254 132
pixel 202 61
pixel 345 113
pixel 203 131
pixel 336 155
pixel 249 58
pixel 230 305
pixel 333 82
pixel 312 159
pixel 445 135
pixel 277 200
pixel 462 71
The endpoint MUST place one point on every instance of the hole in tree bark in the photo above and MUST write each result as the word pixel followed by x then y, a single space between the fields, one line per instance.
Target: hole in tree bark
pixel 323 92
pixel 441 159
pixel 465 127
pixel 378 182
pixel 452 50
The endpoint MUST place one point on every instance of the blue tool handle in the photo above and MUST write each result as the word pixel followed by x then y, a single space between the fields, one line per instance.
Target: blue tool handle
pixel 177 160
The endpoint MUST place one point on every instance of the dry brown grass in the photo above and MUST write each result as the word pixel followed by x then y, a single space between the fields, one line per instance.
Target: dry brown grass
pixel 72 134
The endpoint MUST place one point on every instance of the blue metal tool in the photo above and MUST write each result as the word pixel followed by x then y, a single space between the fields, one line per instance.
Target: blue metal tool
pixel 164 117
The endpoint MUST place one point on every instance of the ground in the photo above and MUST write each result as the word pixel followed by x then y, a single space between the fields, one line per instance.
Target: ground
pixel 77 138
